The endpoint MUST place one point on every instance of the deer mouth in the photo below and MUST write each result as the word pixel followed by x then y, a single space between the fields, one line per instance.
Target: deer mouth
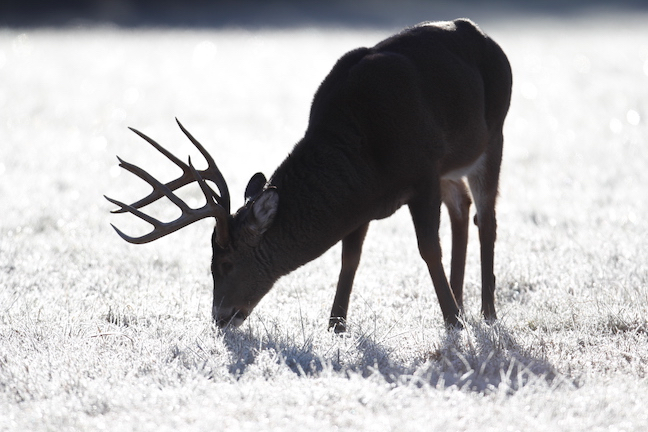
pixel 233 319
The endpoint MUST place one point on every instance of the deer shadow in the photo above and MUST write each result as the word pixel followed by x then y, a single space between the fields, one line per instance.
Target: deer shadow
pixel 485 357
pixel 247 346
pixel 480 358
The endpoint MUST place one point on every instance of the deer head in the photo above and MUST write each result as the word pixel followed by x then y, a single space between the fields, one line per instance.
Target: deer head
pixel 241 276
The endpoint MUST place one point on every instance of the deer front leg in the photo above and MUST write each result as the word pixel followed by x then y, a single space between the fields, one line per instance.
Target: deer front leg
pixel 351 251
pixel 426 212
pixel 456 198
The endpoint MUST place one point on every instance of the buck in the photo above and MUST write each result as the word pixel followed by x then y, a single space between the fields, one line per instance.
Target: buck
pixel 402 123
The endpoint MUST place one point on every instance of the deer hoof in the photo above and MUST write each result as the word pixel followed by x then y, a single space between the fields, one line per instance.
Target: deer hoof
pixel 453 323
pixel 338 324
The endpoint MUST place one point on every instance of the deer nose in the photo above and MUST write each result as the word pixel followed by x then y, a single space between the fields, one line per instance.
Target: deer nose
pixel 228 317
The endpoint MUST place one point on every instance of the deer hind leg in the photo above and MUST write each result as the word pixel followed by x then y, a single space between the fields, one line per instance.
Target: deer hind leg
pixel 426 212
pixel 483 184
pixel 456 198
pixel 351 251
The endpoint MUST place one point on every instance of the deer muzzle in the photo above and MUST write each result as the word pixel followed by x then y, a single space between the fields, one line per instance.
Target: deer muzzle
pixel 229 317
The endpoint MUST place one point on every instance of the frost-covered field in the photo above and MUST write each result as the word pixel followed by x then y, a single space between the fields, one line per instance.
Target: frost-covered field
pixel 99 334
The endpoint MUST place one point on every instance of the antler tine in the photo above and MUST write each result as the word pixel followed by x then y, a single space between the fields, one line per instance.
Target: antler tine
pixel 212 172
pixel 161 149
pixel 158 187
pixel 188 216
pixel 155 195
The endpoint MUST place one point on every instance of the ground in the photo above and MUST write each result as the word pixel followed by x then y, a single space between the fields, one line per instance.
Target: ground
pixel 99 334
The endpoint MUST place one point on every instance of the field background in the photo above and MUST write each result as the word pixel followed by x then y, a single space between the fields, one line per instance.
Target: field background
pixel 98 334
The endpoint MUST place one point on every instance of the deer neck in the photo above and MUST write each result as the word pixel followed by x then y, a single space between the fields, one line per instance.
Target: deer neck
pixel 321 187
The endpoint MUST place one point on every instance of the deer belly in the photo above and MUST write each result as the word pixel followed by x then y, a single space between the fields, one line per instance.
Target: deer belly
pixel 390 205
pixel 464 171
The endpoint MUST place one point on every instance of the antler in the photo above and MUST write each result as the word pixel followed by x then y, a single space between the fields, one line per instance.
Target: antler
pixel 216 206
pixel 212 173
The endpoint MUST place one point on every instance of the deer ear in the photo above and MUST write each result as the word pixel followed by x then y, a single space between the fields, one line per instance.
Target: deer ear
pixel 255 186
pixel 264 210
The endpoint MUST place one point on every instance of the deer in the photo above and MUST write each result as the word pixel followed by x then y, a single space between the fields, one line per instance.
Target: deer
pixel 416 120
